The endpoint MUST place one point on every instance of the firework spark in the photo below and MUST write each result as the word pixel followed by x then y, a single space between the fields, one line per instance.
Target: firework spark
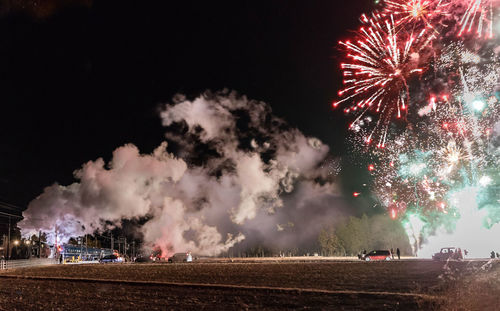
pixel 376 77
pixel 416 13
pixel 448 151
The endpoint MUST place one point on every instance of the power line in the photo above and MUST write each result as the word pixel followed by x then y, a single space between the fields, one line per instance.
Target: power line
pixel 11 215
pixel 10 206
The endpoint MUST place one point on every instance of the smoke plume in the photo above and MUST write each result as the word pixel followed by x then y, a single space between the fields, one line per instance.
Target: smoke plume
pixel 232 172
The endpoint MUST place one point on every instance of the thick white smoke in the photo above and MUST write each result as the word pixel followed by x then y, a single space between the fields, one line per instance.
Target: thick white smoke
pixel 238 172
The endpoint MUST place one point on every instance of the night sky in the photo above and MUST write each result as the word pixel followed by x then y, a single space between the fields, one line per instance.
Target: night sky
pixel 78 81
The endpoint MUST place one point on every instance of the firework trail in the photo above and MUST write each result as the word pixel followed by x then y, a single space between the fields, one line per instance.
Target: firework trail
pixel 478 14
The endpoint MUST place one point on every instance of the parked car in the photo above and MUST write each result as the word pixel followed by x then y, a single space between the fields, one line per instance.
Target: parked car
pixel 181 257
pixel 158 259
pixel 109 258
pixel 143 259
pixel 448 253
pixel 378 255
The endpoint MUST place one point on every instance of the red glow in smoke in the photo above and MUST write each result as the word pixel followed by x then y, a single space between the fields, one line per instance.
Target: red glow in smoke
pixel 394 213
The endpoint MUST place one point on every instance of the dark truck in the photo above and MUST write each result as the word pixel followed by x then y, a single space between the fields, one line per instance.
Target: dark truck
pixel 447 253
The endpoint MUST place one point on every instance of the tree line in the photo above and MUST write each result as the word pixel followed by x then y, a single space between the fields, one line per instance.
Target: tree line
pixel 355 234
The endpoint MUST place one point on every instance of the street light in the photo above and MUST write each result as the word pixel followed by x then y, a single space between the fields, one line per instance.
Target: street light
pixel 16 242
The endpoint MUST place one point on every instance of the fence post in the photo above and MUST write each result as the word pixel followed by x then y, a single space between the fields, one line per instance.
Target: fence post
pixel 2 264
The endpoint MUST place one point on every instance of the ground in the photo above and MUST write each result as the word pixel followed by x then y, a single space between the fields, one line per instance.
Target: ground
pixel 268 284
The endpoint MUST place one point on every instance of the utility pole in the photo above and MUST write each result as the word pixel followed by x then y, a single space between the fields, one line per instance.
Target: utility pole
pixel 8 246
pixel 121 245
pixel 112 242
pixel 4 243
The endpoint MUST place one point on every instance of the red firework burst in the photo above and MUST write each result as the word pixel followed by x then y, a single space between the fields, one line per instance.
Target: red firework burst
pixel 416 12
pixel 375 78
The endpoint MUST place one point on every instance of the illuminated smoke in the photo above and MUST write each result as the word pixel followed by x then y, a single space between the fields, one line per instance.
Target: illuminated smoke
pixel 470 232
pixel 239 173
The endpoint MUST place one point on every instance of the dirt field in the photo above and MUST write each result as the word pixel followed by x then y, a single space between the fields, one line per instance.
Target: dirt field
pixel 398 285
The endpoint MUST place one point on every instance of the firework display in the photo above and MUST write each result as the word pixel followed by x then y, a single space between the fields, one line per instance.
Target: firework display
pixel 376 78
pixel 437 168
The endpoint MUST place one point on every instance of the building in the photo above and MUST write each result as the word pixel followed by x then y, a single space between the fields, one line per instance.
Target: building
pixel 10 215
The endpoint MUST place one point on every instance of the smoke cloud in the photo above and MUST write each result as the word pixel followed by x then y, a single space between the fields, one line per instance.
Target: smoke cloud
pixel 233 174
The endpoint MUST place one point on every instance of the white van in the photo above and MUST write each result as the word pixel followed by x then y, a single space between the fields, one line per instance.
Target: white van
pixel 181 257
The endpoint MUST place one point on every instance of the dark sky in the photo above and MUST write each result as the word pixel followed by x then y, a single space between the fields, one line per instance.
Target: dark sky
pixel 78 81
